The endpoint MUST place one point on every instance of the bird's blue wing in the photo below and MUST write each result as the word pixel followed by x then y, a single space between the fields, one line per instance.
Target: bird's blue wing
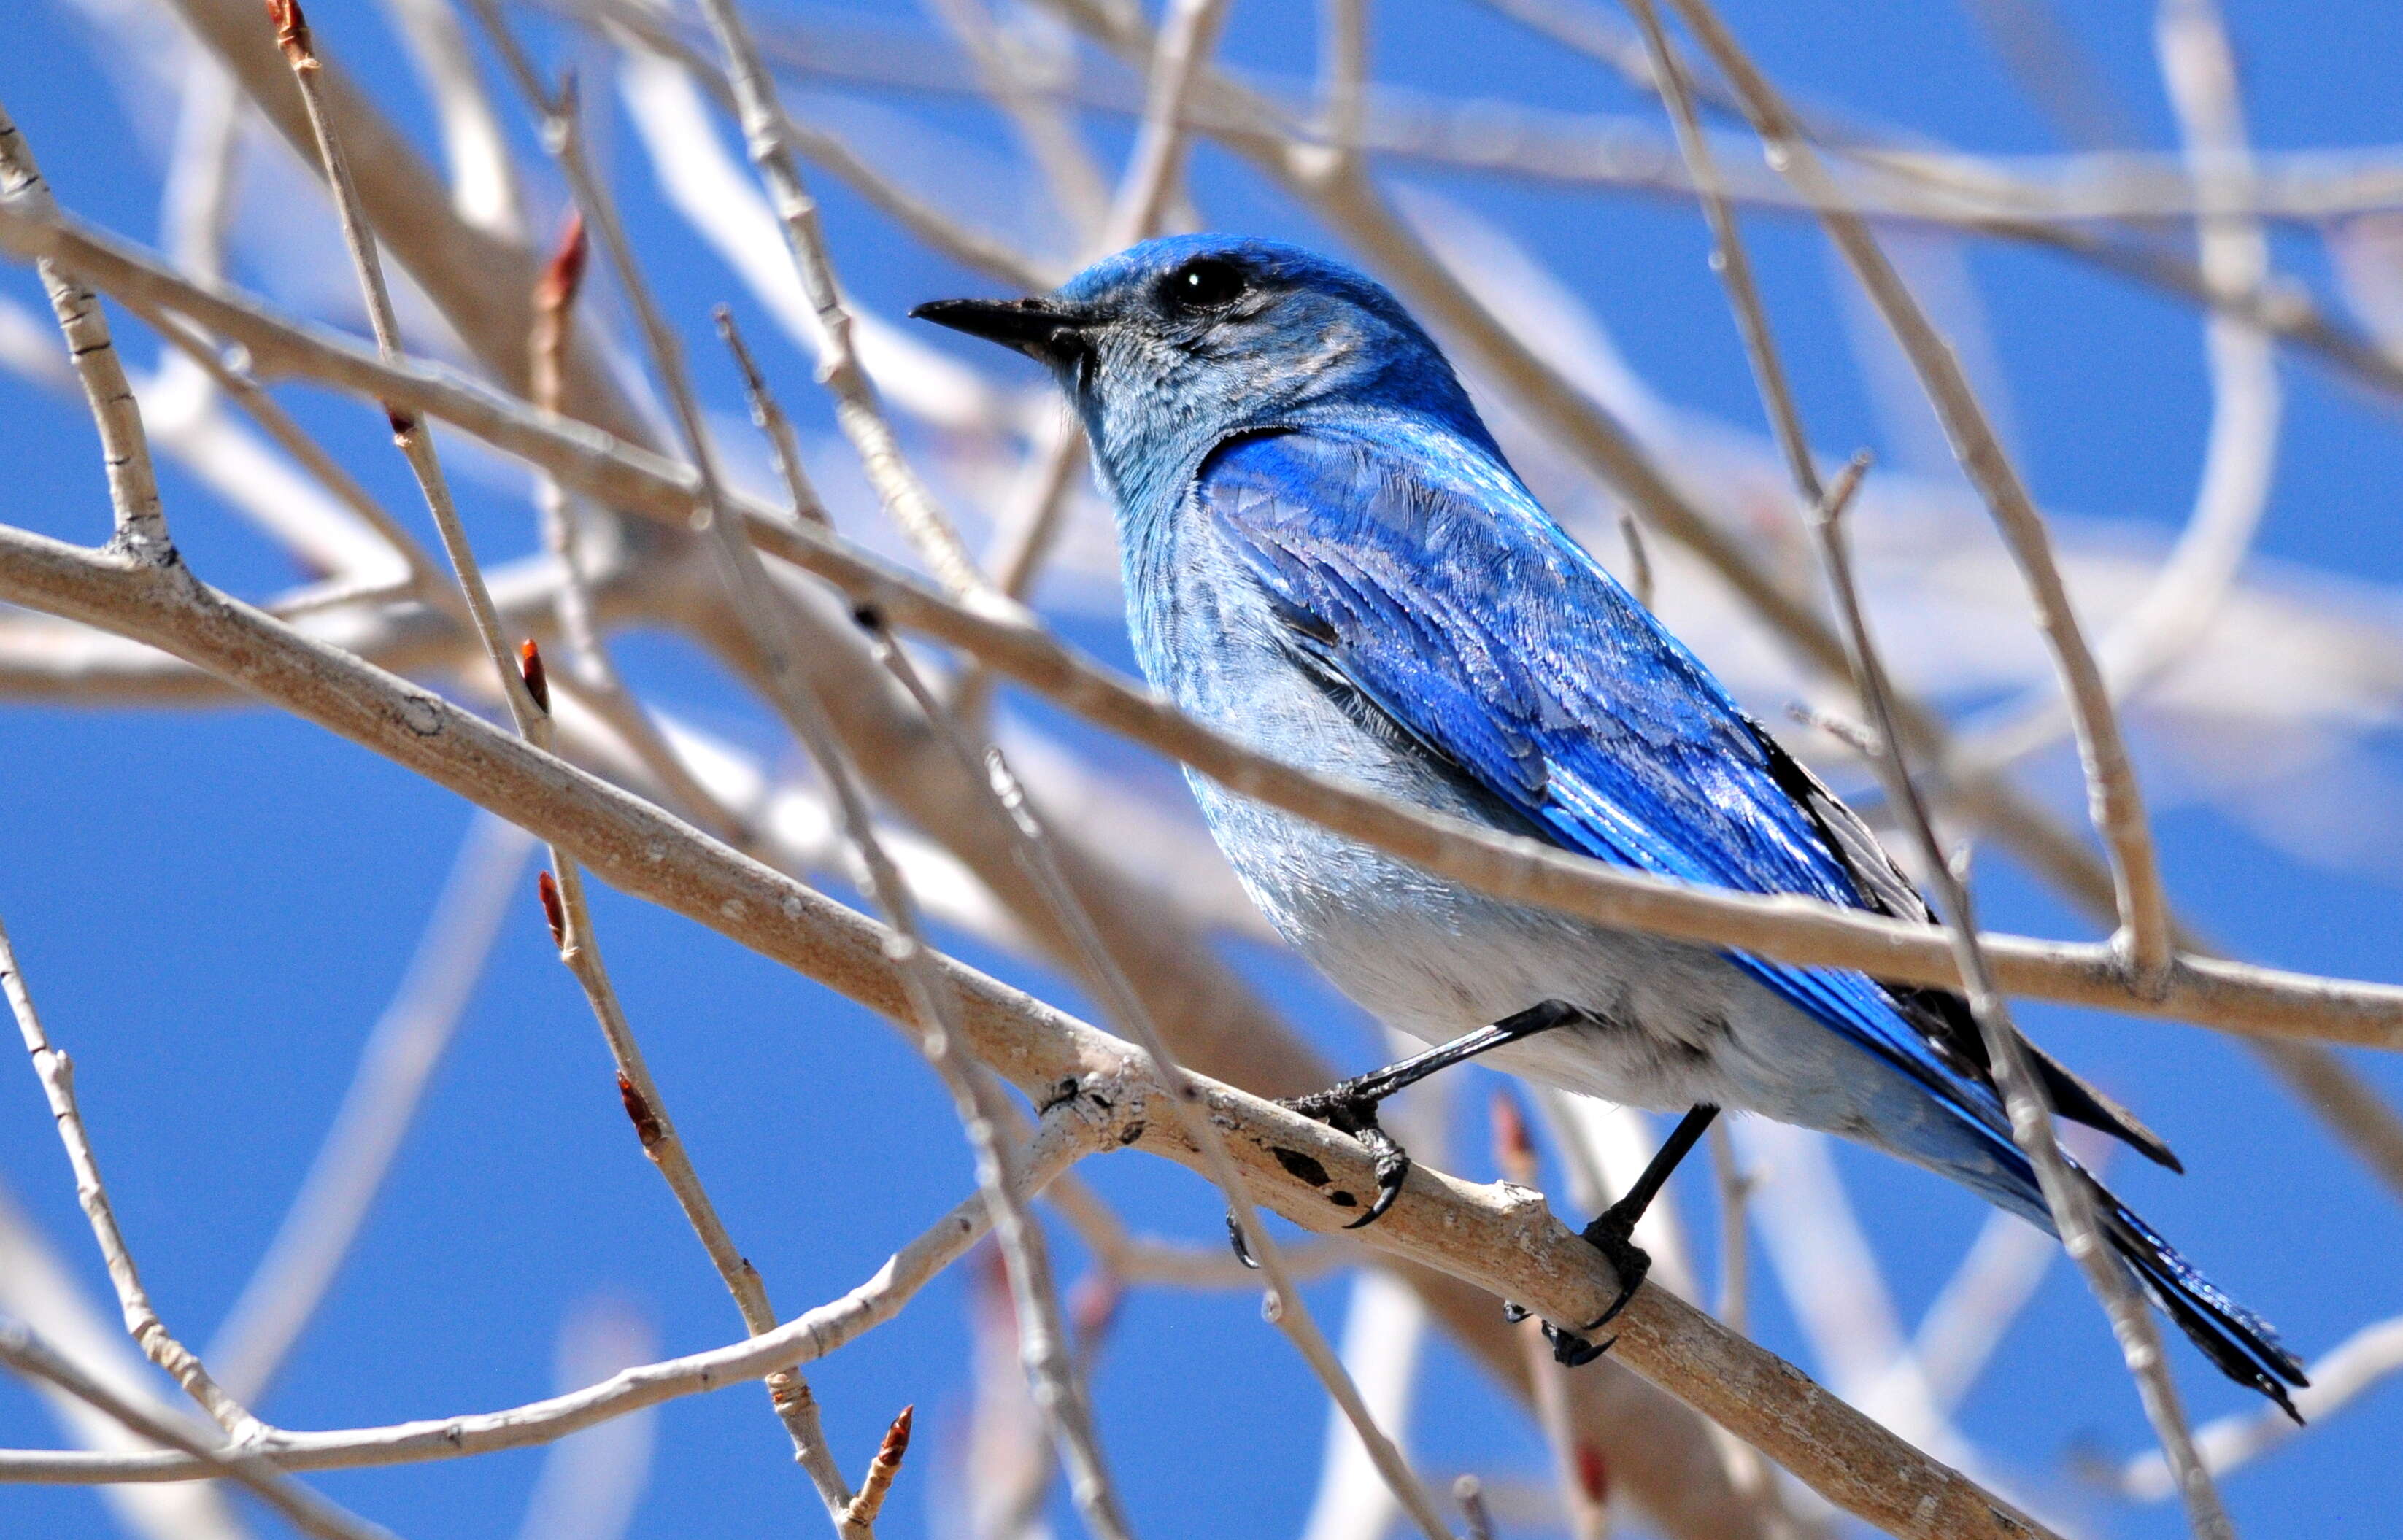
pixel 1419 571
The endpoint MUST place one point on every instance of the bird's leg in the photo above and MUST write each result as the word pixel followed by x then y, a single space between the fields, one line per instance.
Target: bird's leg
pixel 1612 1233
pixel 1351 1106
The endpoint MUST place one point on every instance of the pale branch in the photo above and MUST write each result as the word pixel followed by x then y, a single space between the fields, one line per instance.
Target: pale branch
pixel 306 1512
pixel 630 22
pixel 527 697
pixel 767 133
pixel 141 521
pixel 409 433
pixel 2360 1363
pixel 2118 804
pixel 395 1067
pixel 481 282
pixel 769 417
pixel 1051 1373
pixel 56 1072
pixel 2039 201
pixel 1106 974
pixel 2240 451
pixel 1150 181
pixel 1073 1131
pixel 2232 997
pixel 566 533
pixel 2069 1195
pixel 1500 1240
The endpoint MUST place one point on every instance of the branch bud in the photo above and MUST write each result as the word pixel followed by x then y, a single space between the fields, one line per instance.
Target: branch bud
pixel 638 1109
pixel 552 909
pixel 537 679
pixel 292 34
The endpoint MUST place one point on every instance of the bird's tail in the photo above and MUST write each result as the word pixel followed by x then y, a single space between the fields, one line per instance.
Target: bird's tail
pixel 2244 1347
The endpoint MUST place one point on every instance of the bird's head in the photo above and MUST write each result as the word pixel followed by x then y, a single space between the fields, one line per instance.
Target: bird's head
pixel 1169 347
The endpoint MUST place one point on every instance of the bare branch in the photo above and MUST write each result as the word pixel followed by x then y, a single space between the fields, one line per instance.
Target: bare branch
pixel 2360 1363
pixel 1149 186
pixel 141 523
pixel 767 130
pixel 1506 1245
pixel 311 1514
pixel 2068 1193
pixel 1067 1135
pixel 2232 997
pixel 56 1072
pixel 2118 809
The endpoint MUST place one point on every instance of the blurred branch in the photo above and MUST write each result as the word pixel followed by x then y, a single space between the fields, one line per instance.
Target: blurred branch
pixel 1510 1245
pixel 2232 997
pixel 2239 455
pixel 2358 1364
pixel 1072 1131
pixel 395 1067
pixel 311 1514
pixel 2118 805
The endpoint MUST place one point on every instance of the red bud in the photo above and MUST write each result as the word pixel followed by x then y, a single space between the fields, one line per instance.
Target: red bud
pixel 552 909
pixel 537 679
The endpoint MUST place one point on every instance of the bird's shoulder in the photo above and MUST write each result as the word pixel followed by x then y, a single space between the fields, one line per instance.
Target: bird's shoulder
pixel 1413 562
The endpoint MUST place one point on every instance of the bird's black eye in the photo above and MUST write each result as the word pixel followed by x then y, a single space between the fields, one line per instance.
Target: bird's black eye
pixel 1204 284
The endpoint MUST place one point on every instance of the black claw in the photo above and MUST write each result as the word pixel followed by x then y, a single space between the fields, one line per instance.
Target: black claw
pixel 1570 1350
pixel 1235 1238
pixel 1355 1113
pixel 1609 1235
pixel 1392 1166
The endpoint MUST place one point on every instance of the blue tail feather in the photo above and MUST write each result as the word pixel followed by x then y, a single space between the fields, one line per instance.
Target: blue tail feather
pixel 2244 1347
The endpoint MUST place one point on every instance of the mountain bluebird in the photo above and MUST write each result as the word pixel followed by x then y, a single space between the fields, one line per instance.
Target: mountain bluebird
pixel 1327 557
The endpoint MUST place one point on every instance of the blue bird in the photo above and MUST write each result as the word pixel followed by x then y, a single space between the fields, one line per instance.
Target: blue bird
pixel 1328 558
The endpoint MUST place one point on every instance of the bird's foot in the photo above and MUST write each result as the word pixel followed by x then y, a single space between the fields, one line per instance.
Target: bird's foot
pixel 1611 1234
pixel 1351 1108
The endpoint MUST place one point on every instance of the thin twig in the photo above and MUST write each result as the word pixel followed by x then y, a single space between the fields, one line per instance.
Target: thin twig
pixel 860 1516
pixel 140 520
pixel 56 1072
pixel 309 1513
pixel 769 417
pixel 2118 804
pixel 1507 1245
pixel 565 527
pixel 767 131
pixel 1126 1007
pixel 566 905
pixel 409 430
pixel 2068 1194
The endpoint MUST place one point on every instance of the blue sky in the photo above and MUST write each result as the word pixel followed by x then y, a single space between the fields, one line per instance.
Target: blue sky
pixel 214 906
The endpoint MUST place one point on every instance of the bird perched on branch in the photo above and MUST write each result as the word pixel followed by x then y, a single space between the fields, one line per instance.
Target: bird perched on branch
pixel 1328 559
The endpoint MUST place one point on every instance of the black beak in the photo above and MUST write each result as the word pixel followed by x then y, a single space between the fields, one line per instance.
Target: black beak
pixel 1040 329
